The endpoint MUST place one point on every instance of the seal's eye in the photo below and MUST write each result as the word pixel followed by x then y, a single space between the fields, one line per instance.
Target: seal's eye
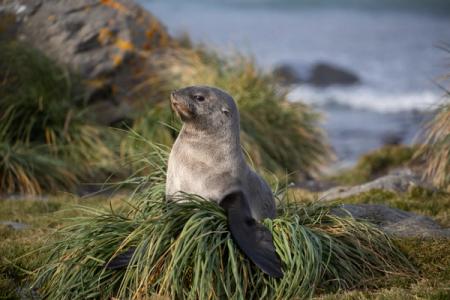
pixel 199 98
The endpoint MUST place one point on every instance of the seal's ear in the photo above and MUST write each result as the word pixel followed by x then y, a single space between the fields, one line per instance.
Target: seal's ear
pixel 226 111
pixel 253 238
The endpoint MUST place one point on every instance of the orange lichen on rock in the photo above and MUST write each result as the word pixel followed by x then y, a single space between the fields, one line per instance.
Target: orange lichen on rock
pixel 104 36
pixel 117 59
pixel 156 29
pixel 115 5
pixel 153 27
pixel 124 45
pixel 96 83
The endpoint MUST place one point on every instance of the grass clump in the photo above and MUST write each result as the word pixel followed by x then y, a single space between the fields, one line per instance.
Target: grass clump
pixel 436 148
pixel 184 250
pixel 47 142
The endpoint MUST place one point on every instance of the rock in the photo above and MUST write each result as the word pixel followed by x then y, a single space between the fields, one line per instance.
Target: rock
pixel 394 221
pixel 392 139
pixel 286 74
pixel 323 74
pixel 314 185
pixel 398 183
pixel 106 42
pixel 14 225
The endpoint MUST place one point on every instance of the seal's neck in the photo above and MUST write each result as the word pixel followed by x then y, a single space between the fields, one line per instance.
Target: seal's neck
pixel 225 139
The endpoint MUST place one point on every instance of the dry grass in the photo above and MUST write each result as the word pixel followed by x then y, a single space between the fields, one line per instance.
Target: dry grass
pixel 436 148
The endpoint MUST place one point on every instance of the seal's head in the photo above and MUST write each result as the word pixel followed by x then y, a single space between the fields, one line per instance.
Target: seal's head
pixel 205 108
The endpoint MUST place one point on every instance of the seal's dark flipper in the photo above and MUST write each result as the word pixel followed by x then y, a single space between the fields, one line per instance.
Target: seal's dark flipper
pixel 121 261
pixel 254 239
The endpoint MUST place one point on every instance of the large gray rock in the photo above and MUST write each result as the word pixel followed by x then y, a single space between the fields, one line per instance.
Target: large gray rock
pixel 319 74
pixel 394 221
pixel 287 74
pixel 398 183
pixel 324 74
pixel 106 42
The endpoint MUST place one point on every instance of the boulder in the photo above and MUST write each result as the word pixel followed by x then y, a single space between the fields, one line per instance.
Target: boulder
pixel 392 138
pixel 286 74
pixel 319 74
pixel 399 183
pixel 323 74
pixel 394 221
pixel 106 42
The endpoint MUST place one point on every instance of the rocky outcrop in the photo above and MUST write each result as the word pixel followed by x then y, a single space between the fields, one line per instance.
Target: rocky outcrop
pixel 394 221
pixel 400 182
pixel 287 74
pixel 323 75
pixel 106 42
pixel 320 75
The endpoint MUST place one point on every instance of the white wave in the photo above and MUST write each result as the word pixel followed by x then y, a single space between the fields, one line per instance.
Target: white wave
pixel 366 98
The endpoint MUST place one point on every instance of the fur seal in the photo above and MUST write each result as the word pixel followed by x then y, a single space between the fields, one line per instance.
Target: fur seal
pixel 207 159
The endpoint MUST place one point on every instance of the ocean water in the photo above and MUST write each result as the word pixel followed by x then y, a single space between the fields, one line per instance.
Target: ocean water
pixel 392 46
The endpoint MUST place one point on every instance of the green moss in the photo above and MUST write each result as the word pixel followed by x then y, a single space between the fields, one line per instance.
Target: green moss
pixel 431 256
pixel 375 164
pixel 17 247
pixel 432 259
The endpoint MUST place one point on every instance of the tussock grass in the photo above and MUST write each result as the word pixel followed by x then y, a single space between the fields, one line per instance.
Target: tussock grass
pixel 436 148
pixel 46 139
pixel 184 250
pixel 30 170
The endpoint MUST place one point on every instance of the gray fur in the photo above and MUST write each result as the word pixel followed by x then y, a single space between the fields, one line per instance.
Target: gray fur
pixel 206 158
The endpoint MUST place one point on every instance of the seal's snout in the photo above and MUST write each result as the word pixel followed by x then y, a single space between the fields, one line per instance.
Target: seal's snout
pixel 173 96
pixel 179 105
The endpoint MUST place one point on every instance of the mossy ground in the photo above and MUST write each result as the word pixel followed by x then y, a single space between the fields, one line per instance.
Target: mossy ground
pixel 431 257
pixel 43 217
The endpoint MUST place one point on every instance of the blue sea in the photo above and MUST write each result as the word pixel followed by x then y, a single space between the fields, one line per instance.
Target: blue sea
pixel 393 46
